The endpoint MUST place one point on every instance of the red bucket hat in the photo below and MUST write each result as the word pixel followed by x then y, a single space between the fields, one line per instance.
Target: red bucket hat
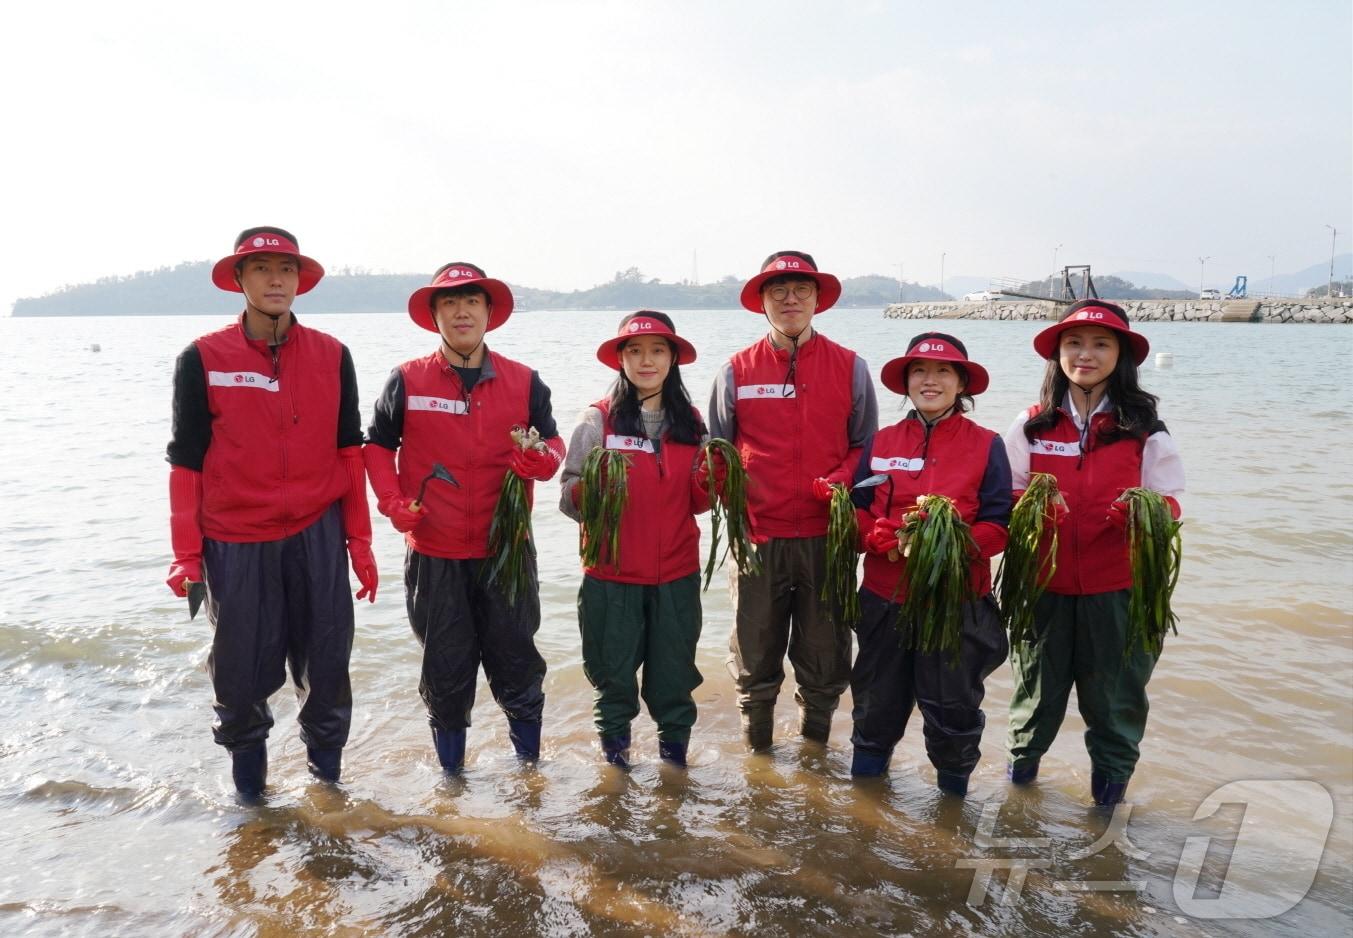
pixel 1092 313
pixel 638 324
pixel 266 241
pixel 935 346
pixel 791 262
pixel 461 274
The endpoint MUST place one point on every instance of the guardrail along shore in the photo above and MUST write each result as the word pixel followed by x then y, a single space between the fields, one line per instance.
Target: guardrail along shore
pixel 1264 310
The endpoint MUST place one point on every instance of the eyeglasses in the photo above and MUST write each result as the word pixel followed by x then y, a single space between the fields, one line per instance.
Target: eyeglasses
pixel 802 291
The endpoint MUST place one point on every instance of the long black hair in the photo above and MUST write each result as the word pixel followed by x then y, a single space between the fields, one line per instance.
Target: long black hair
pixel 1134 409
pixel 683 424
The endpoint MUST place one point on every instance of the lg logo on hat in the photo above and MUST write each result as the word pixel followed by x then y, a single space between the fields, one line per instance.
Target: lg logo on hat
pixel 781 265
pixel 930 347
pixel 261 242
pixel 456 272
pixel 1089 314
pixel 637 326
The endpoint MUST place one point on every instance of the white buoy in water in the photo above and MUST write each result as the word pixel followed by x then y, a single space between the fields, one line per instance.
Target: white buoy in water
pixel 1165 359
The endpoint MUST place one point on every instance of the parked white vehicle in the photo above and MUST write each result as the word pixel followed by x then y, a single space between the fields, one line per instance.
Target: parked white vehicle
pixel 1210 295
pixel 981 296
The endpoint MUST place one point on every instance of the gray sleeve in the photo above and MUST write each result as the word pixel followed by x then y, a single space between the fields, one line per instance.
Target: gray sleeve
pixel 586 437
pixel 723 420
pixel 864 411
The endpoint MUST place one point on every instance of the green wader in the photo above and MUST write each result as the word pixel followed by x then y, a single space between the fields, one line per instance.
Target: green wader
pixel 626 626
pixel 1079 641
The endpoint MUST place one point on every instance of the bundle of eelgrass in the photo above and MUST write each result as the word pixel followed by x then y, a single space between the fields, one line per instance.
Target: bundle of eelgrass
pixel 729 509
pixel 510 546
pixel 1030 557
pixel 602 497
pixel 1154 552
pixel 937 576
pixel 839 587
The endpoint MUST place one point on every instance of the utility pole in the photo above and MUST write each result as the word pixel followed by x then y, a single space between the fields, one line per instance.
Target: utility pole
pixel 1329 290
pixel 1053 276
pixel 1202 266
pixel 943 253
pixel 899 282
pixel 1272 264
pixel 695 269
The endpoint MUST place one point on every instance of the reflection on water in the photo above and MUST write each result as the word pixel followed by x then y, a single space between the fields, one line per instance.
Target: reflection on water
pixel 119 817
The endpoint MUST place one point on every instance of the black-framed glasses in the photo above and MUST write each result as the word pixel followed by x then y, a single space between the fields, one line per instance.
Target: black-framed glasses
pixel 780 292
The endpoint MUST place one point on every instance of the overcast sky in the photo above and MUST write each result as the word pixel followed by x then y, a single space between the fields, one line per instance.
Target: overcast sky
pixel 557 143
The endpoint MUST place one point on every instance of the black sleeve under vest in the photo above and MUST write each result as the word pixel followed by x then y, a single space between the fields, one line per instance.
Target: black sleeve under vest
pixel 190 429
pixel 542 416
pixel 349 409
pixel 387 422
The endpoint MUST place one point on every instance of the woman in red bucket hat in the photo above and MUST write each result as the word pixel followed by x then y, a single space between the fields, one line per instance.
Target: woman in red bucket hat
pixel 1097 431
pixel 266 490
pixel 933 450
pixel 640 610
pixel 453 410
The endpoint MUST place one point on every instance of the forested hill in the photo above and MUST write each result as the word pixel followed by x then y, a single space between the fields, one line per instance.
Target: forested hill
pixel 187 289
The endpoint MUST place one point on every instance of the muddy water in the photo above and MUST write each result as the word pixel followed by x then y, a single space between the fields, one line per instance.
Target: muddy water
pixel 119 818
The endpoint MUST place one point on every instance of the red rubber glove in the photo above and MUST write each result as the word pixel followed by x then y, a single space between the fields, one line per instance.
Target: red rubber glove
pixel 356 510
pixel 883 536
pixel 753 534
pixel 701 479
pixel 364 565
pixel 1118 515
pixel 822 489
pixel 536 465
pixel 185 530
pixel 380 468
pixel 988 539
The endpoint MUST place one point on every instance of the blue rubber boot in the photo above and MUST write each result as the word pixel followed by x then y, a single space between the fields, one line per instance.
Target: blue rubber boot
pixel 951 783
pixel 1105 792
pixel 249 769
pixel 617 750
pixel 865 764
pixel 673 753
pixel 450 746
pixel 1021 773
pixel 325 764
pixel 525 739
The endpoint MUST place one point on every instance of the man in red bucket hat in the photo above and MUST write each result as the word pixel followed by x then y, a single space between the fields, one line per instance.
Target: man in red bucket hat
pixel 454 410
pixel 798 407
pixel 267 492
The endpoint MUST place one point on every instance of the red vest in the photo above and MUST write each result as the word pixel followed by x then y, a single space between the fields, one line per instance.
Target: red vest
pixel 790 436
pixel 272 467
pixel 1092 554
pixel 469 435
pixel 954 466
pixel 659 539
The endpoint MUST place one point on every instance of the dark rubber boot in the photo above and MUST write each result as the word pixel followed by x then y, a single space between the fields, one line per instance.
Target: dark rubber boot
pixel 757 731
pixel 1021 773
pixel 673 753
pixel 865 764
pixel 249 769
pixel 617 750
pixel 325 764
pixel 1105 792
pixel 951 783
pixel 525 739
pixel 450 746
pixel 815 725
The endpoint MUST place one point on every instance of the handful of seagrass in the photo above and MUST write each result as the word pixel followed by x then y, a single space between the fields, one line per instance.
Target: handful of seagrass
pixel 601 502
pixel 840 589
pixel 1028 564
pixel 510 547
pixel 728 510
pixel 937 575
pixel 1154 553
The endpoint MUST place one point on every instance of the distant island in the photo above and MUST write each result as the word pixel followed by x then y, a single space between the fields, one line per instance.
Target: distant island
pixel 186 289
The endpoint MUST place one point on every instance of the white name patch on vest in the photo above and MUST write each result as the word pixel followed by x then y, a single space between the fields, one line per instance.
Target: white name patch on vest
pixel 637 444
pixel 1055 448
pixel 441 405
pixel 896 463
pixel 242 379
pixel 764 391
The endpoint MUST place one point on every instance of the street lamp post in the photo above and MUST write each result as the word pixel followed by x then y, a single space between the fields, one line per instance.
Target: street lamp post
pixel 1054 269
pixel 1202 266
pixel 1329 290
pixel 1272 264
pixel 899 283
pixel 944 253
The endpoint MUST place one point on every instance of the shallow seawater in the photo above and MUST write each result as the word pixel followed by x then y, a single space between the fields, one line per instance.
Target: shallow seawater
pixel 119 817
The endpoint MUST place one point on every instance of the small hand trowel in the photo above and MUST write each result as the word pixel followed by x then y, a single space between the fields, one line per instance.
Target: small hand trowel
pixel 196 593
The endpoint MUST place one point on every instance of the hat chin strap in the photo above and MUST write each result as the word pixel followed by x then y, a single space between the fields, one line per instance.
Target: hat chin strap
pixel 464 358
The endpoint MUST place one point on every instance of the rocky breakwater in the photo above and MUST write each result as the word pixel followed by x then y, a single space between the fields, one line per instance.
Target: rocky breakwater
pixel 1264 310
